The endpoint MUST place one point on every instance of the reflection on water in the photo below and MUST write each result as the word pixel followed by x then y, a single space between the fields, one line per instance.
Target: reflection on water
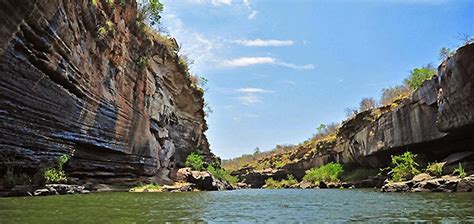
pixel 330 205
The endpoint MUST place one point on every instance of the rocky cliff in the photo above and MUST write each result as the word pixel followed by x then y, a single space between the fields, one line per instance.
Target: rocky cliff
pixel 82 78
pixel 436 122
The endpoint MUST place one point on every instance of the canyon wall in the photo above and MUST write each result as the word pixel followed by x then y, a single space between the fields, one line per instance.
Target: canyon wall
pixel 118 102
pixel 436 122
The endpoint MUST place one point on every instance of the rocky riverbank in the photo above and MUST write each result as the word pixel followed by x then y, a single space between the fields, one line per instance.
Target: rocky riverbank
pixel 426 183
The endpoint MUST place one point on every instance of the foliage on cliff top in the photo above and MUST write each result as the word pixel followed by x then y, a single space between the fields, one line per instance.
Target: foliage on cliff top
pixel 327 173
pixel 420 75
pixel 284 154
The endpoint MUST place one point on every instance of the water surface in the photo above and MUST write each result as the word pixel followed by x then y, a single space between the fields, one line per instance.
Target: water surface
pixel 291 205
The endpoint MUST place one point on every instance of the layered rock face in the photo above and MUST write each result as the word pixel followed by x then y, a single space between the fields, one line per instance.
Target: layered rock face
pixel 436 121
pixel 117 101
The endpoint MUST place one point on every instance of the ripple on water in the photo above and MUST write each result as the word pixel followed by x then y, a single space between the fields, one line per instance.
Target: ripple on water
pixel 290 205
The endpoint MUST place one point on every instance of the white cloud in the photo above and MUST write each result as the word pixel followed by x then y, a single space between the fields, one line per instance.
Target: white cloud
pixel 265 43
pixel 222 2
pixel 247 3
pixel 252 90
pixel 213 2
pixel 298 67
pixel 431 2
pixel 249 99
pixel 197 46
pixel 253 14
pixel 248 61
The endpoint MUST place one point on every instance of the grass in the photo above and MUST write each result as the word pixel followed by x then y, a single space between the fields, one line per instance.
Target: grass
pixel 222 175
pixel 146 188
pixel 274 184
pixel 327 173
pixel 460 171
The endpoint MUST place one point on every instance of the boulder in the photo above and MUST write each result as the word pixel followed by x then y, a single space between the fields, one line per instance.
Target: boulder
pixel 202 180
pixel 466 184
pixel 422 177
pixel 396 187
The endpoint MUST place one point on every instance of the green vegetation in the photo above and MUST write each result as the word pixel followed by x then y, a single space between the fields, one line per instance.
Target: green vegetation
pixel 56 174
pixel 195 161
pixel 327 173
pixel 222 174
pixel 274 184
pixel 150 10
pixel 435 169
pixel 404 166
pixel 147 188
pixel 142 63
pixel 419 75
pixel 94 3
pixel 460 171
pixel 393 94
pixel 106 29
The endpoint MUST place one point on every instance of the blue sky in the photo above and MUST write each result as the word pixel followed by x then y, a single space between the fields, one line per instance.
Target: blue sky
pixel 279 68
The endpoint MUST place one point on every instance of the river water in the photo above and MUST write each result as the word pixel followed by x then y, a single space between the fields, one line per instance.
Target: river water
pixel 289 205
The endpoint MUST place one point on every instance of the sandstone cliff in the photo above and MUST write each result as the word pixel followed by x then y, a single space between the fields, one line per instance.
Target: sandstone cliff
pixel 118 102
pixel 436 121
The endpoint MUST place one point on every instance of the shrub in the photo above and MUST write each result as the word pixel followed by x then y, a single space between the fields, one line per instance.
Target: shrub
pixel 367 104
pixel 272 184
pixel 327 173
pixel 104 30
pixel 404 166
pixel 419 75
pixel 222 175
pixel 142 62
pixel 435 169
pixel 394 93
pixel 56 174
pixel 53 175
pixel 459 171
pixel 290 180
pixel 195 161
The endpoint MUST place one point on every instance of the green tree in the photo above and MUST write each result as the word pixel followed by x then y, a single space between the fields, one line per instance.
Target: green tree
pixel 150 10
pixel 419 75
